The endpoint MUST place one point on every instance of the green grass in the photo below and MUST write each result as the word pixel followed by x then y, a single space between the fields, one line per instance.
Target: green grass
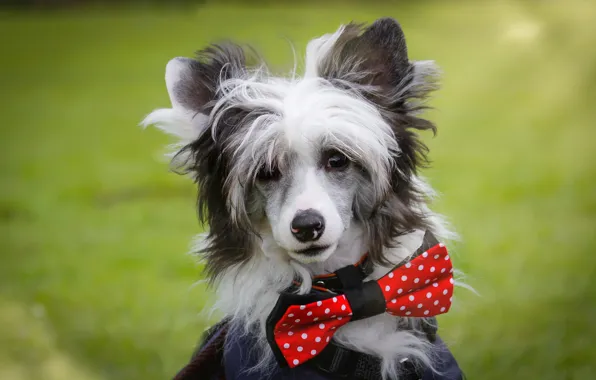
pixel 95 282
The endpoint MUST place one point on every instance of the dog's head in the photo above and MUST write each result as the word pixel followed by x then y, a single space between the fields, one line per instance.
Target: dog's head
pixel 300 159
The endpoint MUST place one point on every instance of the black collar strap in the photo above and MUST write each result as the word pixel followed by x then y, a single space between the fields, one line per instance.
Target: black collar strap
pixel 339 362
pixel 343 363
pixel 345 278
pixel 352 276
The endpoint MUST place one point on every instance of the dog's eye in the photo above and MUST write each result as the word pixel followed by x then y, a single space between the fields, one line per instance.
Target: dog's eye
pixel 268 174
pixel 336 161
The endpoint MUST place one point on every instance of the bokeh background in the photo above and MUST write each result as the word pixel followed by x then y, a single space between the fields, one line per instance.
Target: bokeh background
pixel 95 279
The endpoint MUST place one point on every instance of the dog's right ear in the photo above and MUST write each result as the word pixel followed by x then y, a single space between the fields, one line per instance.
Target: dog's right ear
pixel 192 83
pixel 192 87
pixel 188 91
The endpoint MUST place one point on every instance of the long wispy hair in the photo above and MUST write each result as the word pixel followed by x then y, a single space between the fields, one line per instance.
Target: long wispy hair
pixel 230 113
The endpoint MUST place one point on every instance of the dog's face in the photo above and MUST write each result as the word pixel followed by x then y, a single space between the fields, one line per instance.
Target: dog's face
pixel 309 205
pixel 308 193
pixel 302 158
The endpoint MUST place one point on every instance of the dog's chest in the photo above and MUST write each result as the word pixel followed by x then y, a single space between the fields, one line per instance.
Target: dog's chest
pixel 241 362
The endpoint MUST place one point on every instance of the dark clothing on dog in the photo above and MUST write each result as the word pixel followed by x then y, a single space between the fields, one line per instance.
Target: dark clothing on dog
pixel 235 353
pixel 227 352
pixel 238 356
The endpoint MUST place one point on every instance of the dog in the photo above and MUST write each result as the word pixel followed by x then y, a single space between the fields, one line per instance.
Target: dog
pixel 300 176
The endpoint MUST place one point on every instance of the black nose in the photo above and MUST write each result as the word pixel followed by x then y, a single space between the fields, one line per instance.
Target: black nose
pixel 308 225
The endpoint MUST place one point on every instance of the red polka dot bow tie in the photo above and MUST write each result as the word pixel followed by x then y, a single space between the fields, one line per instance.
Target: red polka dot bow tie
pixel 301 326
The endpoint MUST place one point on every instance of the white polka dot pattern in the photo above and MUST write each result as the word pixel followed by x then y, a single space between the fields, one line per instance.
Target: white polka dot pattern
pixel 310 328
pixel 429 293
pixel 422 287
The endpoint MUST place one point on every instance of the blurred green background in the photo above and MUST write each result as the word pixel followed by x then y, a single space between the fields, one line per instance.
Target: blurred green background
pixel 94 277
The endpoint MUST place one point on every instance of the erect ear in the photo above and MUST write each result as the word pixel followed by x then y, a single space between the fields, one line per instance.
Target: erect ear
pixel 178 76
pixel 375 56
pixel 386 52
pixel 374 59
pixel 192 86
pixel 192 83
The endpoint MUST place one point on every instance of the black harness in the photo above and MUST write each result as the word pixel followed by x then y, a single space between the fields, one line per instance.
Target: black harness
pixel 335 361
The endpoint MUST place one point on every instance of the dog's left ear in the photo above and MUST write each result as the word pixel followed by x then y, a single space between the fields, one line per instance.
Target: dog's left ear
pixel 375 56
pixel 386 54
pixel 374 60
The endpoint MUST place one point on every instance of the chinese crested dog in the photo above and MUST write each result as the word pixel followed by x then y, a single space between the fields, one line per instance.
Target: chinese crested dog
pixel 301 175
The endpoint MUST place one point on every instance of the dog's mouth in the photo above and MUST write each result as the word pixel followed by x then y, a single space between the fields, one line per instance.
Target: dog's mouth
pixel 314 254
pixel 313 251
